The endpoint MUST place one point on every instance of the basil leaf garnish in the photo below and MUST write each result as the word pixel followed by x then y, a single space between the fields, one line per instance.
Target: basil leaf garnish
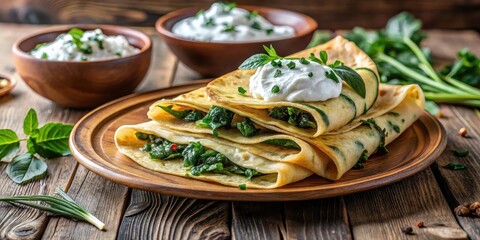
pixel 26 168
pixel 9 143
pixel 352 78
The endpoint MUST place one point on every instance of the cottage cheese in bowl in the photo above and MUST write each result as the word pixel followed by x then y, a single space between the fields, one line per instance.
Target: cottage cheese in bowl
pixel 224 22
pixel 77 45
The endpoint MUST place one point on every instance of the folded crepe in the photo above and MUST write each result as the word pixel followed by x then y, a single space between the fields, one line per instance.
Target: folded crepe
pixel 328 115
pixel 348 128
pixel 333 153
pixel 271 174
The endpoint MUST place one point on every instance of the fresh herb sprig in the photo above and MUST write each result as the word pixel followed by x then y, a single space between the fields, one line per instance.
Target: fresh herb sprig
pixel 397 52
pixel 64 206
pixel 350 76
pixel 77 35
pixel 48 141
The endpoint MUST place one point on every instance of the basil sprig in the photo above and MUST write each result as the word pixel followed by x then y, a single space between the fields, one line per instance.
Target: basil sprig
pixel 337 69
pixel 48 141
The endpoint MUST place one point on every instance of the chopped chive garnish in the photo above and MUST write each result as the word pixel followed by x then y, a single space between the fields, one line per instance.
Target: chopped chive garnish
pixel 304 61
pixel 455 166
pixel 84 58
pixel 256 25
pixel 44 55
pixel 229 28
pixel 269 31
pixel 278 73
pixel 461 153
pixel 241 90
pixel 209 22
pixel 242 186
pixel 291 65
pixel 275 89
pixel 277 63
pixel 310 74
pixel 118 54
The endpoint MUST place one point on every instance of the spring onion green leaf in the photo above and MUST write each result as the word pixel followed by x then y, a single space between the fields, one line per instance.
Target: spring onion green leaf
pixel 241 90
pixel 461 153
pixel 275 89
pixel 64 206
pixel 455 166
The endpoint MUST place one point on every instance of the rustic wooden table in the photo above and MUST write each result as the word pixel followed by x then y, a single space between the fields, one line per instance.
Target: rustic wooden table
pixel 429 196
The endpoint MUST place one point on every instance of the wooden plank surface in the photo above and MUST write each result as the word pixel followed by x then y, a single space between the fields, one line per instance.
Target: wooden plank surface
pixel 156 216
pixel 317 219
pixel 458 14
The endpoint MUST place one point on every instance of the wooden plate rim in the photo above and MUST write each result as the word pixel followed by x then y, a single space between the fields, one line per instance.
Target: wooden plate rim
pixel 86 154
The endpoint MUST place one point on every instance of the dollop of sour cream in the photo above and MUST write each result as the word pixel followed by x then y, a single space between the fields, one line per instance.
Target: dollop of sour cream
pixel 294 81
pixel 225 23
pixel 100 46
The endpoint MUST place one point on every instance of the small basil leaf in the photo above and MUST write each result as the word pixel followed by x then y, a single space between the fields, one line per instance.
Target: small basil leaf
pixel 30 122
pixel 324 57
pixel 270 51
pixel 255 61
pixel 352 78
pixel 53 137
pixel 26 168
pixel 9 143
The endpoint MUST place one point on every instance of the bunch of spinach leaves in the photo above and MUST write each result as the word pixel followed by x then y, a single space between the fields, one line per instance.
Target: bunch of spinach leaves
pixel 396 49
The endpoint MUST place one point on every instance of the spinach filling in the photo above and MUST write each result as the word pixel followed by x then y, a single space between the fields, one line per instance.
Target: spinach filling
pixel 187 115
pixel 363 158
pixel 283 143
pixel 195 156
pixel 293 116
pixel 383 134
pixel 216 117
pixel 247 128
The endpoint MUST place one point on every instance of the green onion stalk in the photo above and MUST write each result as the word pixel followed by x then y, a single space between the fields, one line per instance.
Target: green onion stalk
pixel 64 207
pixel 448 89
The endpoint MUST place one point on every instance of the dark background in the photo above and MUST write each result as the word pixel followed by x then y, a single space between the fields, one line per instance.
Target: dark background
pixel 330 14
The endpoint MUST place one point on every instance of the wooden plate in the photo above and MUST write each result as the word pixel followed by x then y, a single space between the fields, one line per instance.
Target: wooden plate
pixel 92 144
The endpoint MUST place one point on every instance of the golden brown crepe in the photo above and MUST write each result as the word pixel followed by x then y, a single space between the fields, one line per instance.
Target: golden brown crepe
pixel 335 153
pixel 276 173
pixel 348 127
pixel 329 115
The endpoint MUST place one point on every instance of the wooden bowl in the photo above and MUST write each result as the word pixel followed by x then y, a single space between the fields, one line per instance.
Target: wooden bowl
pixel 83 84
pixel 214 59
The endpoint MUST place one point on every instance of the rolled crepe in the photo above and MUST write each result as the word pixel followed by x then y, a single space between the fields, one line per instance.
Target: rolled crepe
pixel 333 154
pixel 328 115
pixel 275 173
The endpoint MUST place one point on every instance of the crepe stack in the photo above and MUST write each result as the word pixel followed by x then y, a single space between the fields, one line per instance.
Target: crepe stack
pixel 347 129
